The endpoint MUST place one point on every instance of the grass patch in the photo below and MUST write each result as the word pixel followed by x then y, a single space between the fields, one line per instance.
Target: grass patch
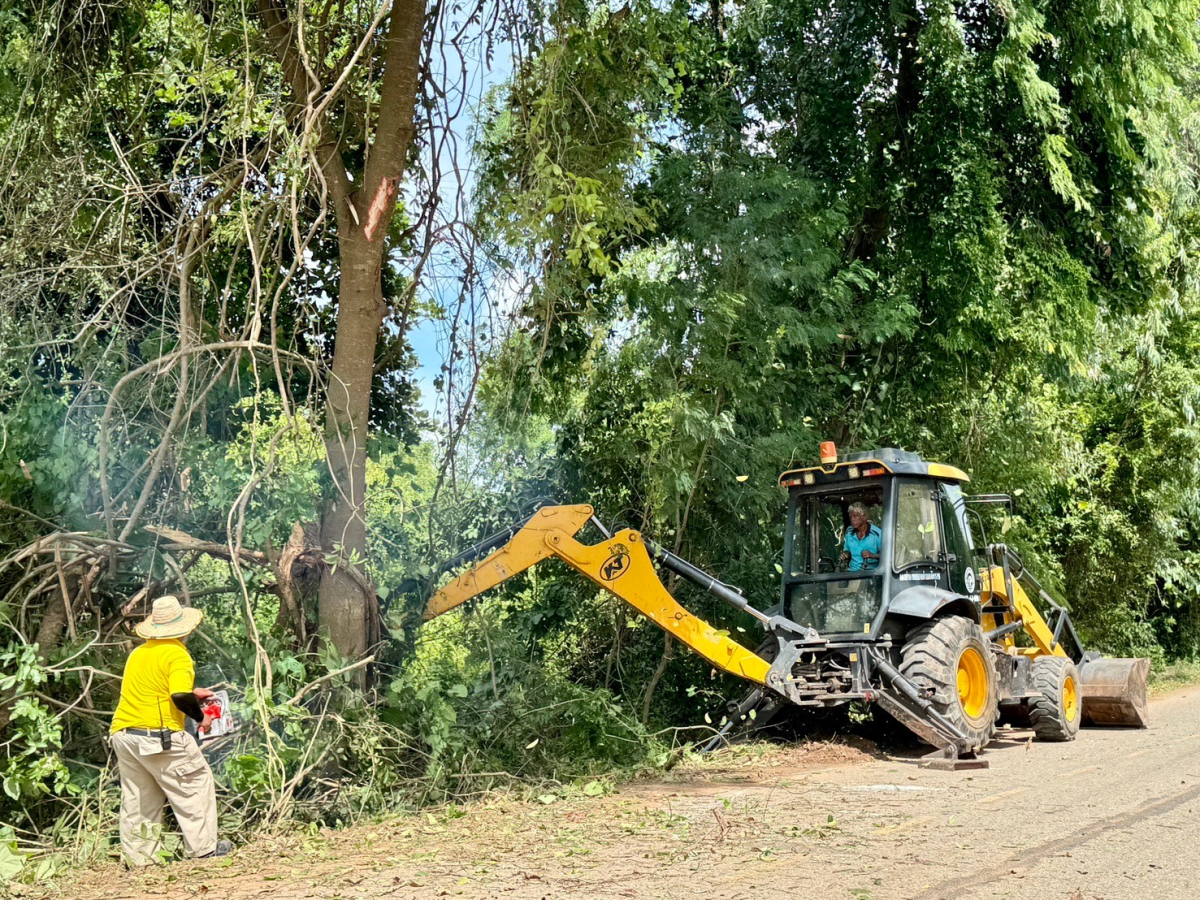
pixel 1181 673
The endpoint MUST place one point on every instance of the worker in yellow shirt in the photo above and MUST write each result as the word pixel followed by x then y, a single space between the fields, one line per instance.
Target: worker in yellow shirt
pixel 158 760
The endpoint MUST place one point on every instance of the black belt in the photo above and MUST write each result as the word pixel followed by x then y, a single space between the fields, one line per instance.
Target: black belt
pixel 146 732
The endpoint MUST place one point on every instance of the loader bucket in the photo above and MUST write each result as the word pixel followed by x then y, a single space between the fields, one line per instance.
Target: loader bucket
pixel 1114 692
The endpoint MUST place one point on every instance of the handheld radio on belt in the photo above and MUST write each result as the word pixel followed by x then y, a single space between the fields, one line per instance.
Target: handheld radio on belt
pixel 164 736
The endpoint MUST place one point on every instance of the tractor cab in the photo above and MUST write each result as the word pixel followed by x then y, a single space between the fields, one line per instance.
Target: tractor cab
pixel 911 554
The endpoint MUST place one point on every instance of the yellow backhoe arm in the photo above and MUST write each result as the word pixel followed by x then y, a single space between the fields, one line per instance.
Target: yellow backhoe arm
pixel 525 549
pixel 995 590
pixel 620 565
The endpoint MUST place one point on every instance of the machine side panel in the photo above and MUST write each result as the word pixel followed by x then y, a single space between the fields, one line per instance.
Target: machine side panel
pixel 995 592
pixel 924 601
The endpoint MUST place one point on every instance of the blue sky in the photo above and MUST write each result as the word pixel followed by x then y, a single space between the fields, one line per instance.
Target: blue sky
pixel 429 337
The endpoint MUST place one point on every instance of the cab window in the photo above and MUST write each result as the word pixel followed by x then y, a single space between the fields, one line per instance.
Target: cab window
pixel 955 525
pixel 918 539
pixel 821 525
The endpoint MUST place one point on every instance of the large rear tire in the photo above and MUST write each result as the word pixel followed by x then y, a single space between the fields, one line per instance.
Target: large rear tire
pixel 950 658
pixel 1055 715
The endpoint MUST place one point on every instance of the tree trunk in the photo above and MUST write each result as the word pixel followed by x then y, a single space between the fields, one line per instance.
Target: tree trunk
pixel 346 601
pixel 663 661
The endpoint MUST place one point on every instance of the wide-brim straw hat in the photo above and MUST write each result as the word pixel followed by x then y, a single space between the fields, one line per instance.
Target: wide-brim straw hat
pixel 168 619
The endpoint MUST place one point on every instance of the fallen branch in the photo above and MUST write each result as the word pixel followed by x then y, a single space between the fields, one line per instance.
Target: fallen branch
pixel 179 540
pixel 365 661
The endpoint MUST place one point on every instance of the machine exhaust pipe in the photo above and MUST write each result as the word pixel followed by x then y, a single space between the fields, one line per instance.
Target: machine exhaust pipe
pixel 1113 692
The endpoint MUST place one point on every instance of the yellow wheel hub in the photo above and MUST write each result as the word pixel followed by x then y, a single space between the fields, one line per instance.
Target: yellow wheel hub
pixel 972 683
pixel 1070 700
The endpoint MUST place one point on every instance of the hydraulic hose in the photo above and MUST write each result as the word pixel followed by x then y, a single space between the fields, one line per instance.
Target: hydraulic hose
pixel 703 580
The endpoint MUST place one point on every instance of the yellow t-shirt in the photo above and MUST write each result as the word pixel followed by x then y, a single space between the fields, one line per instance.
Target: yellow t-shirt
pixel 153 672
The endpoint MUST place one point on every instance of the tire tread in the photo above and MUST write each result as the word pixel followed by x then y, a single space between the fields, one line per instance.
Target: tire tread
pixel 927 659
pixel 1046 715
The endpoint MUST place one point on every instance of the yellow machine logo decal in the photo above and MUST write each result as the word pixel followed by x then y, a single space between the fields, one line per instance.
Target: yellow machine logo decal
pixel 616 565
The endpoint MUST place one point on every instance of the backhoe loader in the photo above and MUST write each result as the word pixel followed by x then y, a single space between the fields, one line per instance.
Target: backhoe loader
pixel 943 636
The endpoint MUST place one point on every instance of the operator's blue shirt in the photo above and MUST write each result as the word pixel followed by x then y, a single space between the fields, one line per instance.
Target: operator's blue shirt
pixel 856 545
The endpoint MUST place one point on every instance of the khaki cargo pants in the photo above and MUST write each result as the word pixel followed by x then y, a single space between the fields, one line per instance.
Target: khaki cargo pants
pixel 151 776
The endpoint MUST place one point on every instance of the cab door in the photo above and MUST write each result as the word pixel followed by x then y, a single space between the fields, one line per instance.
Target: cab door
pixel 960 550
pixel 918 539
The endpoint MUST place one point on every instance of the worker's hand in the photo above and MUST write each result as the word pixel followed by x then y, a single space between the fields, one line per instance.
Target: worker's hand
pixel 202 693
pixel 205 724
pixel 845 557
pixel 867 554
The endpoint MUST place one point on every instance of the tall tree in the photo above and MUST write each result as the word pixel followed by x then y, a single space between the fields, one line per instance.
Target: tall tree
pixel 911 223
pixel 203 201
pixel 360 169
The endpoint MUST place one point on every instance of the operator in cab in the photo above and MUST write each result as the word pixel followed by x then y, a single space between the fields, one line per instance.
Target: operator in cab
pixel 863 541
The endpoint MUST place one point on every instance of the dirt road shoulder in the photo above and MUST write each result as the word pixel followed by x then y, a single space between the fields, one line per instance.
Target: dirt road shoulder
pixel 1107 815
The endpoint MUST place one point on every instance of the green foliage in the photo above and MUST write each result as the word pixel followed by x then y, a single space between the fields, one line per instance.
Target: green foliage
pixel 32 765
pixel 484 693
pixel 12 861
pixel 283 456
pixel 965 229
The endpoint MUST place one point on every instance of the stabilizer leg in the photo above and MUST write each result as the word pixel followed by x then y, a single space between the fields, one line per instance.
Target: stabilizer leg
pixel 916 713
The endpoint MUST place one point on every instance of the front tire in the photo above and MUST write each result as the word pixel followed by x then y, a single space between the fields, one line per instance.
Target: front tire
pixel 1055 715
pixel 950 659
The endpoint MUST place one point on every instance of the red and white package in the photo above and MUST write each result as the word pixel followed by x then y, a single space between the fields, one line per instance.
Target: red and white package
pixel 223 722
